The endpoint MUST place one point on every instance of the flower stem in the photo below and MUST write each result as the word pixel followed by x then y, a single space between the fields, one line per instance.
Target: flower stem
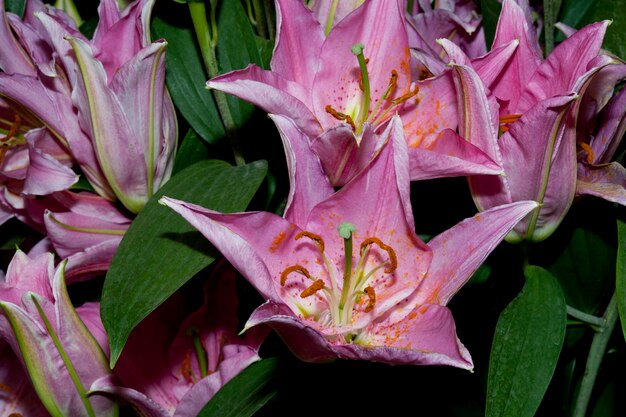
pixel 259 14
pixel 596 353
pixel 596 322
pixel 331 17
pixel 207 39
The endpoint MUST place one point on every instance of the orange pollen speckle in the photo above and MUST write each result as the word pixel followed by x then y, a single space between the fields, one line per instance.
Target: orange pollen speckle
pixel 412 315
pixel 372 299
pixel 393 259
pixel 5 388
pixel 277 241
pixel 316 238
pixel 340 116
pixel 315 287
pixel 293 268
pixel 590 154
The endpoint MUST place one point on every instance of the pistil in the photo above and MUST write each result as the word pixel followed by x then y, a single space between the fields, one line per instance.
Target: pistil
pixel 357 49
pixel 345 231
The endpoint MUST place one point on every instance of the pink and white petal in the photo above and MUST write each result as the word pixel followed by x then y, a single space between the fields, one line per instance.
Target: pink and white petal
pixel 308 184
pixel 460 250
pixel 102 115
pixel 340 154
pixel 560 72
pixel 13 58
pixel 605 181
pixel 71 233
pixel 31 273
pixel 18 397
pixel 45 174
pixel 139 401
pixel 612 128
pixel 426 336
pixel 93 261
pixel 322 10
pixel 92 205
pixel 450 156
pixel 515 23
pixel 433 110
pixel 305 342
pixel 272 93
pixel 490 66
pixel 89 313
pixel 293 19
pixel 80 345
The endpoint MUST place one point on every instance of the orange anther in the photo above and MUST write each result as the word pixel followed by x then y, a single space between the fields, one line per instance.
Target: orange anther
pixel 407 96
pixel 393 259
pixel 590 154
pixel 294 268
pixel 316 238
pixel 340 116
pixel 315 287
pixel 371 294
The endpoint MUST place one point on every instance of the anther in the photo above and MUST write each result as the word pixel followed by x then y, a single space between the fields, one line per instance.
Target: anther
pixel 506 119
pixel 393 82
pixel 294 268
pixel 312 289
pixel 407 96
pixel 590 153
pixel 316 238
pixel 340 116
pixel 393 259
pixel 371 294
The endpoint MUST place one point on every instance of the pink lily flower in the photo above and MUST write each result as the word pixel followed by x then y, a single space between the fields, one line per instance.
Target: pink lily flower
pixel 86 78
pixel 537 104
pixel 57 350
pixel 455 20
pixel 334 86
pixel 386 301
pixel 176 359
pixel 17 395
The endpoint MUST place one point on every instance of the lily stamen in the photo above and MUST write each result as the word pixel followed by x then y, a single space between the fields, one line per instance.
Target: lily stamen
pixel 294 268
pixel 340 116
pixel 371 294
pixel 590 154
pixel 506 119
pixel 393 259
pixel 316 238
pixel 313 288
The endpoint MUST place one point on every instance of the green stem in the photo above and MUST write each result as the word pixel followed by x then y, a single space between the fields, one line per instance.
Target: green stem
pixel 200 354
pixel 590 319
pixel 596 354
pixel 259 15
pixel 269 18
pixel 207 39
pixel 66 360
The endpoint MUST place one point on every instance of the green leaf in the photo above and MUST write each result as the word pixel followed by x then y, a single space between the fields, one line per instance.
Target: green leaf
pixel 15 6
pixel 191 150
pixel 526 347
pixel 584 268
pixel 186 80
pixel 490 9
pixel 620 283
pixel 246 393
pixel 573 11
pixel 615 10
pixel 236 48
pixel 161 251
